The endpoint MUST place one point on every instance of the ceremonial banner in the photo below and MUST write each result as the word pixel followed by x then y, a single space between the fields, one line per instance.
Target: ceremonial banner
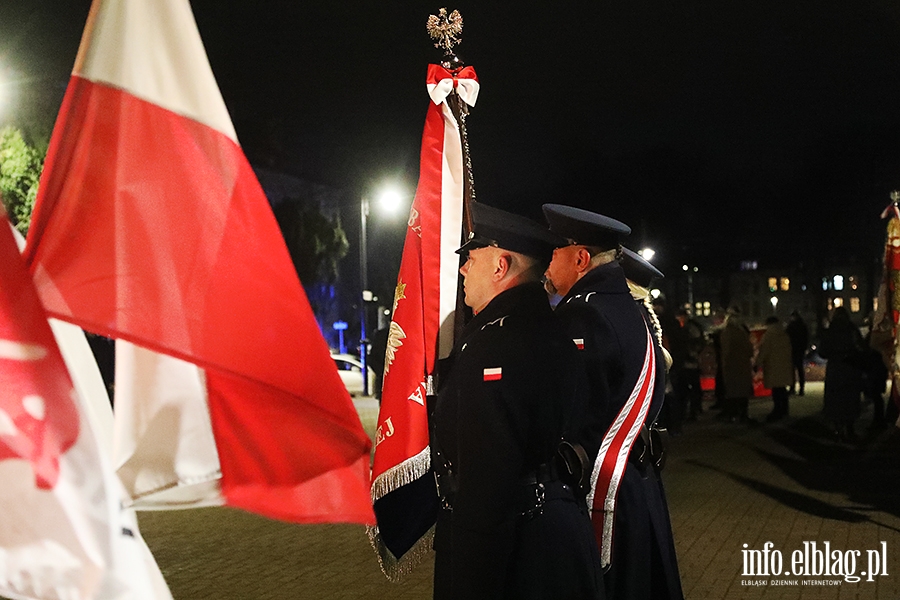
pixel 403 489
pixel 150 227
pixel 887 315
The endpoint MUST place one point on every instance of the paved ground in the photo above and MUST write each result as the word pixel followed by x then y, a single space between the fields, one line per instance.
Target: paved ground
pixel 728 485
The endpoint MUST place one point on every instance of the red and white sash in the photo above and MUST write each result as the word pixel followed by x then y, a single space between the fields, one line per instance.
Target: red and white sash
pixel 613 455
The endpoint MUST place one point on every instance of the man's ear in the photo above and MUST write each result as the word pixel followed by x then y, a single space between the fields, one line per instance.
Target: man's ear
pixel 502 266
pixel 582 259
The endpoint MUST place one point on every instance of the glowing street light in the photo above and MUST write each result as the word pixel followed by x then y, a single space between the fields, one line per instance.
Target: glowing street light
pixel 390 200
pixel 647 253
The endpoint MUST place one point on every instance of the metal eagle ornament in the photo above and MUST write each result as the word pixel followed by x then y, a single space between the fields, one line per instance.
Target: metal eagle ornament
pixel 446 29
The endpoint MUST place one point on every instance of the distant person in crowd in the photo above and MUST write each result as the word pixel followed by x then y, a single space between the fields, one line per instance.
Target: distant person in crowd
pixel 687 385
pixel 509 527
pixel 737 369
pixel 798 333
pixel 841 345
pixel 376 359
pixel 875 374
pixel 778 369
pixel 715 338
pixel 620 352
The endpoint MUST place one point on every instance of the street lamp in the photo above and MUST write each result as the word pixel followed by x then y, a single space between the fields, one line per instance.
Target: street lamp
pixel 389 199
pixel 2 89
pixel 647 253
pixel 690 283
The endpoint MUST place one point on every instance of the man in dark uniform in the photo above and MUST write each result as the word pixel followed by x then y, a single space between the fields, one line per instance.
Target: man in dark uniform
pixel 640 275
pixel 622 359
pixel 509 528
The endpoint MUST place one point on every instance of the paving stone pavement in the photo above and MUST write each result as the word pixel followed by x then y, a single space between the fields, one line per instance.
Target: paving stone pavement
pixel 728 485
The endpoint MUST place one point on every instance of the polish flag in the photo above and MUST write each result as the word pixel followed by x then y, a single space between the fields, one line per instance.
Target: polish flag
pixel 150 227
pixel 63 533
pixel 421 330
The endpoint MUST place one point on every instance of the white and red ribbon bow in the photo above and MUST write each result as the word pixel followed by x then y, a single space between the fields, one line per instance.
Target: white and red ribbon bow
pixel 441 82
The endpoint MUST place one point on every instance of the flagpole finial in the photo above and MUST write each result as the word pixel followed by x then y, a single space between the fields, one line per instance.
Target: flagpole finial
pixel 446 31
pixel 892 209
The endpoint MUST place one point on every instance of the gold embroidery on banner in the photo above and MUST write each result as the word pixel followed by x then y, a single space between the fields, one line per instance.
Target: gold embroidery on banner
pixel 395 332
pixel 381 434
pixel 395 335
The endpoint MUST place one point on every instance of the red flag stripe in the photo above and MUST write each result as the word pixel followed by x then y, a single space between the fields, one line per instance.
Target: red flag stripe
pixel 185 258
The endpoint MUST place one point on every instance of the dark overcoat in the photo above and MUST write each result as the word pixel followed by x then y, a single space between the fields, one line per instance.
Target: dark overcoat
pixel 603 319
pixel 505 396
pixel 841 346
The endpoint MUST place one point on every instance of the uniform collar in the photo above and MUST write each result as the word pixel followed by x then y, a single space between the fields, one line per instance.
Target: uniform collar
pixel 527 298
pixel 605 279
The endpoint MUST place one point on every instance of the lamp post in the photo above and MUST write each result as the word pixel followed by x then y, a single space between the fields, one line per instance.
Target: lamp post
pixel 389 199
pixel 364 285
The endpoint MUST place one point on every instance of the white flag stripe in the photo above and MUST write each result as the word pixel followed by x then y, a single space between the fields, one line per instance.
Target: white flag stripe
pixel 175 74
pixel 451 228
pixel 165 452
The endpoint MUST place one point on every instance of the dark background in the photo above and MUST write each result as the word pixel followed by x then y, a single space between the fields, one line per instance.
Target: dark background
pixel 720 131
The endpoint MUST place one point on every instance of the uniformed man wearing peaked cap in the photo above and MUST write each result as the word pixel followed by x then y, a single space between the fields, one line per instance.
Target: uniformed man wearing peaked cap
pixel 618 351
pixel 640 275
pixel 638 269
pixel 509 528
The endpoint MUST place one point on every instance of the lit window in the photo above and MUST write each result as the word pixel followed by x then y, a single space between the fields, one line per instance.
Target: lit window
pixel 854 304
pixel 825 283
pixel 838 282
pixel 698 308
pixel 707 308
pixel 785 284
pixel 854 282
pixel 830 304
pixel 838 302
pixel 773 284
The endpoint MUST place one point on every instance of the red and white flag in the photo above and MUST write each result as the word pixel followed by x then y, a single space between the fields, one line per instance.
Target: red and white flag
pixel 62 533
pixel 421 327
pixel 80 542
pixel 150 227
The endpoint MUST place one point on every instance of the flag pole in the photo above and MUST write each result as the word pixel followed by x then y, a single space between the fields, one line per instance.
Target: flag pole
pixel 446 31
pixel 427 311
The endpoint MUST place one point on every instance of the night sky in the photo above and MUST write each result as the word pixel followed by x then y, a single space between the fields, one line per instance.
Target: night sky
pixel 719 131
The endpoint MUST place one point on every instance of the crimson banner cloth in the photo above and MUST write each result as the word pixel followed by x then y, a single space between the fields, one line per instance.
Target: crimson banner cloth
pixel 887 314
pixel 403 489
pixel 150 227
